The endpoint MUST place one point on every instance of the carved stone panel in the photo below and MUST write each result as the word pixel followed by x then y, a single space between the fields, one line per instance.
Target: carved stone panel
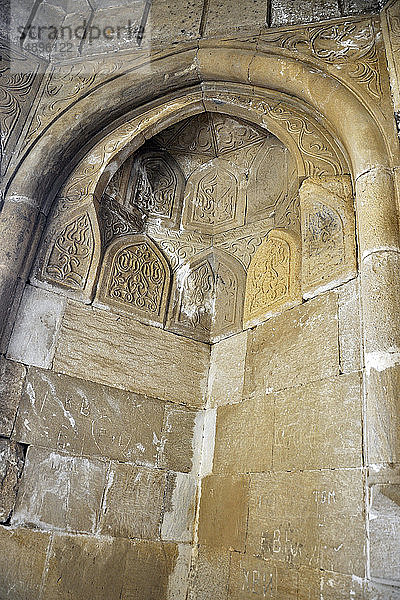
pixel 69 252
pixel 207 297
pixel 328 233
pixel 135 278
pixel 273 278
pixel 214 198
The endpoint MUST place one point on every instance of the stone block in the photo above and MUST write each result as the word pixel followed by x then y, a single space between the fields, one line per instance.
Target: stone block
pixel 350 327
pixel 174 21
pixel 223 511
pixel 328 233
pixel 384 533
pixel 303 519
pixel 356 7
pixel 383 414
pixel 179 508
pixel 225 383
pixel 244 436
pixel 61 491
pixel 11 465
pixel 80 417
pixel 318 425
pixel 328 585
pixel 121 352
pixel 209 578
pixel 133 502
pixel 225 17
pixel 294 348
pixel 22 562
pixel 177 441
pixel 11 380
pixel 250 577
pixel 82 567
pixel 289 12
pixel 149 566
pixel 33 339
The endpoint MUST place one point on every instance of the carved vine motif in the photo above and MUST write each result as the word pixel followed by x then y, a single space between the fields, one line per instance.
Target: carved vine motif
pixel 198 294
pixel 394 27
pixel 116 220
pixel 350 44
pixel 138 278
pixel 155 187
pixel 244 248
pixel 71 254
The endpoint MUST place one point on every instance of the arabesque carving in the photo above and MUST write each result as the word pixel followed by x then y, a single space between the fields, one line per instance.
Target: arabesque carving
pixel 273 278
pixel 135 278
pixel 117 220
pixel 328 232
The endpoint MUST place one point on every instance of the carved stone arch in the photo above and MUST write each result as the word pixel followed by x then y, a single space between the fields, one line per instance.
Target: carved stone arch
pixel 135 278
pixel 207 297
pixel 273 277
pixel 69 253
pixel 214 198
pixel 156 185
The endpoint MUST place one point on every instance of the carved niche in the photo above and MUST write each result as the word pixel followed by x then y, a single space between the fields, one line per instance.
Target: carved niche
pixel 328 232
pixel 273 278
pixel 69 253
pixel 156 185
pixel 214 198
pixel 207 297
pixel 135 278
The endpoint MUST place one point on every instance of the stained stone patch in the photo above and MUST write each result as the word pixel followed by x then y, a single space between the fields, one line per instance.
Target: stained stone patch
pixel 11 381
pixel 384 530
pixel 11 466
pixel 210 574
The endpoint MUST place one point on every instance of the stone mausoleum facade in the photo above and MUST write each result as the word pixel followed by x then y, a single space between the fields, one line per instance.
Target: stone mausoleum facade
pixel 199 300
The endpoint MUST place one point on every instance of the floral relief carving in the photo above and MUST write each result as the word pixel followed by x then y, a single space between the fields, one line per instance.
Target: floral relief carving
pixel 135 278
pixel 116 220
pixel 273 276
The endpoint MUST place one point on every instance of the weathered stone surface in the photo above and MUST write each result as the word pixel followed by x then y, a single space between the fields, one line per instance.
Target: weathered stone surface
pixel 133 502
pixel 149 566
pixel 384 531
pixel 328 233
pixel 65 413
pixel 250 577
pixel 82 567
pixel 288 12
pixel 116 350
pixel 33 340
pixel 179 508
pixel 176 447
pixel 294 348
pixel 223 511
pixel 350 327
pixel 328 585
pixel 22 561
pixel 318 425
pixel 303 519
pixel 223 17
pixel 210 574
pixel 383 414
pixel 11 465
pixel 61 491
pixel 244 436
pixel 177 20
pixel 11 381
pixel 225 382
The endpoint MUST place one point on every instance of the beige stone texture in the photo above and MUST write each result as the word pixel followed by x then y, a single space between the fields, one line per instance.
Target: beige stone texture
pixel 244 436
pixel 303 519
pixel 60 491
pixel 328 585
pixel 319 425
pixel 34 336
pixel 210 574
pixel 133 502
pixel 11 465
pixel 22 562
pixel 350 327
pixel 179 508
pixel 225 382
pixel 250 577
pixel 384 532
pixel 390 20
pixel 377 591
pixel 11 381
pixel 294 348
pixel 177 444
pixel 177 20
pixel 149 565
pixel 115 350
pixel 223 17
pixel 223 511
pixel 383 415
pixel 80 417
pixel 82 567
pixel 328 233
